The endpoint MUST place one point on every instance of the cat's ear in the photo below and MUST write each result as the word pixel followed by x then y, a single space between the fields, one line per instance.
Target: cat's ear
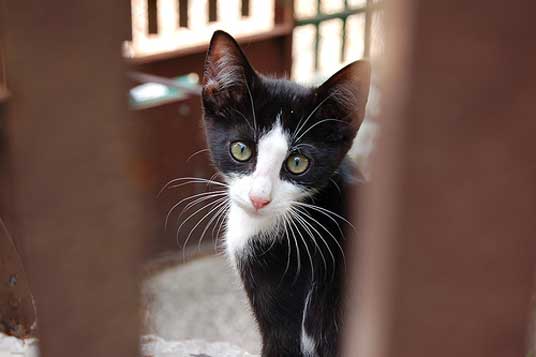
pixel 227 72
pixel 349 89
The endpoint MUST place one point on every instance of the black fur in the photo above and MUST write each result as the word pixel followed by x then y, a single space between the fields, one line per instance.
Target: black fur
pixel 276 285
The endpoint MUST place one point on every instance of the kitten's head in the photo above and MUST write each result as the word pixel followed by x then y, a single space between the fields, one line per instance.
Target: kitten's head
pixel 273 140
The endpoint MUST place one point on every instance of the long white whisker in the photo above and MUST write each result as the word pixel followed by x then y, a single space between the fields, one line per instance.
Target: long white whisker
pixel 252 109
pixel 316 124
pixel 223 222
pixel 218 208
pixel 218 203
pixel 336 185
pixel 301 220
pixel 285 222
pixel 321 238
pixel 220 223
pixel 269 248
pixel 306 249
pixel 184 200
pixel 331 235
pixel 195 154
pixel 220 218
pixel 192 180
pixel 216 174
pixel 195 213
pixel 197 202
pixel 298 269
pixel 246 119
pixel 327 212
pixel 208 182
pixel 296 147
pixel 300 127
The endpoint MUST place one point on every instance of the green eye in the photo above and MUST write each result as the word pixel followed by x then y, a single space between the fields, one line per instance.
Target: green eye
pixel 240 151
pixel 297 163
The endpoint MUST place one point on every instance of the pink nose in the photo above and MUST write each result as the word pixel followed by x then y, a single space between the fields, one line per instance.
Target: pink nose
pixel 258 202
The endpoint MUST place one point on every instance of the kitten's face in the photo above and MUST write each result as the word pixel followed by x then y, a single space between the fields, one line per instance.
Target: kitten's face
pixel 275 141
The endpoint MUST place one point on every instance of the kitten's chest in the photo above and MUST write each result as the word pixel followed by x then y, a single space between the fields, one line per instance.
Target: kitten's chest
pixel 276 288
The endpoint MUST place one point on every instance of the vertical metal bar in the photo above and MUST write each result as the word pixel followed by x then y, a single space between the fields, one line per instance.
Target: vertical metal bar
pixel 152 16
pixel 317 38
pixel 447 255
pixel 245 8
pixel 284 15
pixel 343 35
pixel 183 13
pixel 368 27
pixel 212 10
pixel 81 217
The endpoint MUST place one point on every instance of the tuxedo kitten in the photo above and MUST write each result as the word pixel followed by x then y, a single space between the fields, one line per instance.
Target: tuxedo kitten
pixel 281 148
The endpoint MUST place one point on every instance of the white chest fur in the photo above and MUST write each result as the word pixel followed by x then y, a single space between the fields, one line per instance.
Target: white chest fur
pixel 241 228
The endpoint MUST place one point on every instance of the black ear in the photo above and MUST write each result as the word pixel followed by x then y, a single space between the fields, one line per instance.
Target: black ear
pixel 349 89
pixel 227 72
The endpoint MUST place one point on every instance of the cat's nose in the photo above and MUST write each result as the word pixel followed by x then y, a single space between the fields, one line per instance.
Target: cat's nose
pixel 258 202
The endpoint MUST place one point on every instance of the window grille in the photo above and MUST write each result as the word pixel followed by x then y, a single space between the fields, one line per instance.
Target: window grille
pixel 162 26
pixel 329 34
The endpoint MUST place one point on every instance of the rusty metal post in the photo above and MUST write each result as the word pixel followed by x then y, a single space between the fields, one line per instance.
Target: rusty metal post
pixel 80 216
pixel 447 258
pixel 17 314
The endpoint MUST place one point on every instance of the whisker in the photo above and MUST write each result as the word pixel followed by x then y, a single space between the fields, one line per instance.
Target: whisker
pixel 336 185
pixel 296 147
pixel 218 208
pixel 215 219
pixel 300 127
pixel 331 235
pixel 220 218
pixel 192 180
pixel 303 223
pixel 216 174
pixel 203 198
pixel 246 119
pixel 284 220
pixel 306 249
pixel 208 182
pixel 195 154
pixel 197 202
pixel 184 200
pixel 326 212
pixel 269 248
pixel 195 182
pixel 323 241
pixel 298 255
pixel 197 224
pixel 193 215
pixel 252 109
pixel 316 124
pixel 221 222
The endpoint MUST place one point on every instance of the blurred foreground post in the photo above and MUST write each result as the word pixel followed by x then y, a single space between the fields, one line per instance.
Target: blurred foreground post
pixel 79 216
pixel 447 258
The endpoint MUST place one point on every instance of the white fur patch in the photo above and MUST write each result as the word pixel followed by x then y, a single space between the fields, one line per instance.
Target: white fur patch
pixel 307 343
pixel 244 221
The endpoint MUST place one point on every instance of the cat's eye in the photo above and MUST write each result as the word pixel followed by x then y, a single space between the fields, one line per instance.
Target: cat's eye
pixel 297 164
pixel 240 151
